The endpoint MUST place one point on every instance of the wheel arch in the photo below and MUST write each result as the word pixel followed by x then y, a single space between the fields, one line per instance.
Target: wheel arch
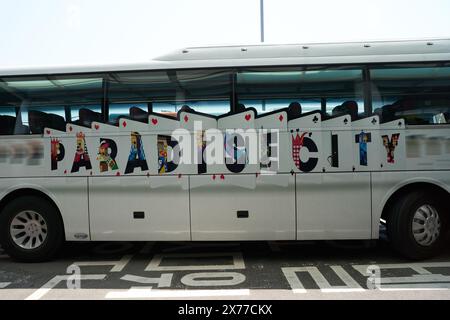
pixel 30 191
pixel 431 186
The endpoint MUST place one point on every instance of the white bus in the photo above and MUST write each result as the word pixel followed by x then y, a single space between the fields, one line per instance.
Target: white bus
pixel 318 142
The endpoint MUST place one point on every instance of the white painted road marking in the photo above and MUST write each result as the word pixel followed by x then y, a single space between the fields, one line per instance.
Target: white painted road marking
pixel 42 291
pixel 154 265
pixel 118 266
pixel 297 287
pixel 192 279
pixel 164 281
pixel 422 280
pixel 144 293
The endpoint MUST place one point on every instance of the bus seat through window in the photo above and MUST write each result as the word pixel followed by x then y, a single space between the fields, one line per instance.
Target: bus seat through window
pixel 294 110
pixel 348 107
pixel 7 124
pixel 86 117
pixel 37 121
pixel 240 108
pixel 138 114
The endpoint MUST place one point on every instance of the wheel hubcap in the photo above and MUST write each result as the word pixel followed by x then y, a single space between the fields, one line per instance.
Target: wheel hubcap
pixel 426 225
pixel 28 229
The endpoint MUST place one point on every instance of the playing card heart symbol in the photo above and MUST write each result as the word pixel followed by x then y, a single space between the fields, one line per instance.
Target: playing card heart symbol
pixel 96 127
pixel 117 173
pixel 186 118
pixel 248 117
pixel 214 177
pixel 65 171
pixel 222 177
pixel 280 117
pixel 48 131
pixel 154 121
pixel 124 124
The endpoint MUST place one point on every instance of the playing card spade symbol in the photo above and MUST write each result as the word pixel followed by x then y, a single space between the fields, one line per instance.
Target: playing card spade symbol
pixel 315 119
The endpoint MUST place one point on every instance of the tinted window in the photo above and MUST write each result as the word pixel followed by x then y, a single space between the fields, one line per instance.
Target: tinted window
pixel 205 91
pixel 268 89
pixel 419 94
pixel 48 100
pixel 117 110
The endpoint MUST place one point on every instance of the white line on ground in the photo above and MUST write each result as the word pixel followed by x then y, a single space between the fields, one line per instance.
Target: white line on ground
pixel 238 262
pixel 4 284
pixel 136 293
pixel 42 291
pixel 118 266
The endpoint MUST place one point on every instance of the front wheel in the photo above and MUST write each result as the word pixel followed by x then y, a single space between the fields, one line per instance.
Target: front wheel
pixel 31 229
pixel 417 225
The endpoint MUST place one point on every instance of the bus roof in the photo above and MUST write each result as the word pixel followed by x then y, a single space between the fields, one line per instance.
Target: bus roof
pixel 426 50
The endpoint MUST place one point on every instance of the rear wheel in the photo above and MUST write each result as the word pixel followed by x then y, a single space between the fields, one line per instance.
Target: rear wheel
pixel 417 225
pixel 31 229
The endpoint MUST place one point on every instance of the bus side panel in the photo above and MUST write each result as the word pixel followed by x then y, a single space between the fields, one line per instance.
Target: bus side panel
pixel 139 208
pixel 333 206
pixel 384 184
pixel 243 207
pixel 69 195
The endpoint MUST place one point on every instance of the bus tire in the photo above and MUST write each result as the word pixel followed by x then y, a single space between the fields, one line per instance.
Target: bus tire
pixel 417 225
pixel 31 229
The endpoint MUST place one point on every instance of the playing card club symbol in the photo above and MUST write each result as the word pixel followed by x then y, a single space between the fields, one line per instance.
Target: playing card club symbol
pixel 248 117
pixel 374 121
pixel 399 123
pixel 155 121
pixel 315 119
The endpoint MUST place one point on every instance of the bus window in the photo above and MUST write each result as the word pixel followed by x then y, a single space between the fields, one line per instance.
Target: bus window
pixel 420 95
pixel 206 91
pixel 322 89
pixel 136 111
pixel 212 107
pixel 49 101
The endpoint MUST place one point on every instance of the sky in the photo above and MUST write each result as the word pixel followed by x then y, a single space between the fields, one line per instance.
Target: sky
pixel 74 32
